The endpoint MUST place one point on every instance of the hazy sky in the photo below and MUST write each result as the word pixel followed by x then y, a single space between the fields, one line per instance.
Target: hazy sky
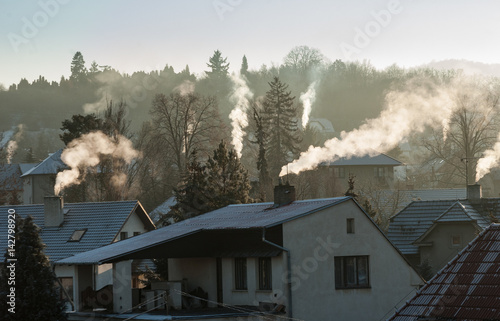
pixel 41 37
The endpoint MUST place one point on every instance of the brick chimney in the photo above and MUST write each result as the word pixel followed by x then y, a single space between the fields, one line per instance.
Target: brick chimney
pixel 53 208
pixel 283 194
pixel 474 193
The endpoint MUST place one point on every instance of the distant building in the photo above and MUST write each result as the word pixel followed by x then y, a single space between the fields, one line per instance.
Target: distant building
pixel 309 260
pixel 11 184
pixel 40 180
pixel 467 288
pixel 435 231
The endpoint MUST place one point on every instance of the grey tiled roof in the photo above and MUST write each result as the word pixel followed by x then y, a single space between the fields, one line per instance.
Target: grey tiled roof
pixel 102 220
pixel 466 289
pixel 232 217
pixel 415 219
pixel 51 165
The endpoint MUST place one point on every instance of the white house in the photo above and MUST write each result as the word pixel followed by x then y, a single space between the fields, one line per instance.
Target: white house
pixel 72 228
pixel 314 259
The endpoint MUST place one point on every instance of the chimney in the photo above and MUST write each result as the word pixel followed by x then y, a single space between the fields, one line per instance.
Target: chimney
pixel 283 194
pixel 53 211
pixel 474 193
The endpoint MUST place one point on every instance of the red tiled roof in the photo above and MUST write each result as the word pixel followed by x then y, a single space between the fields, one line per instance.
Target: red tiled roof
pixel 468 288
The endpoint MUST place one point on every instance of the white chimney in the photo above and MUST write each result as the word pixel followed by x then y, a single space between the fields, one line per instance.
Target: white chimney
pixel 53 211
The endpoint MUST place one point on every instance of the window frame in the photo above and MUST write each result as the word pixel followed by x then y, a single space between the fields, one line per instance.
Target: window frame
pixel 350 229
pixel 69 289
pixel 265 271
pixel 73 237
pixel 341 272
pixel 240 274
pixel 123 233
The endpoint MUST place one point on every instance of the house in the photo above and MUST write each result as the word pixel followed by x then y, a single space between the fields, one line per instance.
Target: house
pixel 162 209
pixel 39 181
pixel 467 288
pixel 69 229
pixel 310 259
pixel 433 232
pixel 11 186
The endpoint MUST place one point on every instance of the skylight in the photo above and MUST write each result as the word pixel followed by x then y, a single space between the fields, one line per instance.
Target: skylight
pixel 77 235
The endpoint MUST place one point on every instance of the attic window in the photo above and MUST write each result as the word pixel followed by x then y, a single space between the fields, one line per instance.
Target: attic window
pixel 77 235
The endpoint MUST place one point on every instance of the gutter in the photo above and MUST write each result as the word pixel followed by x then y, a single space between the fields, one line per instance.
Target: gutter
pixel 289 270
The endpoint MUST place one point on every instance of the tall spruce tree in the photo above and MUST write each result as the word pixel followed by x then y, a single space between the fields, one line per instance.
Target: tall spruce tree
pixel 78 70
pixel 280 121
pixel 218 65
pixel 36 294
pixel 265 181
pixel 244 66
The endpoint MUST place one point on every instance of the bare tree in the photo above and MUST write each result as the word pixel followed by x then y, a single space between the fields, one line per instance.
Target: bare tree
pixel 473 128
pixel 183 123
pixel 303 58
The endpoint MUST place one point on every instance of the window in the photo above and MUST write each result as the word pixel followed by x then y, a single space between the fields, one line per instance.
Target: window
pixel 350 226
pixel 456 241
pixel 379 171
pixel 77 235
pixel 240 273
pixel 67 284
pixel 351 272
pixel 339 172
pixel 265 273
pixel 137 233
pixel 123 235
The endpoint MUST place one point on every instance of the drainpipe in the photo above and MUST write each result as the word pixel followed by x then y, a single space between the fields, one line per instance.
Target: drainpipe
pixel 288 267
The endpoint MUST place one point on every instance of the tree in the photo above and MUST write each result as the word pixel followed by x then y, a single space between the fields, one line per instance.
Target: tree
pixel 184 123
pixel 94 67
pixel 265 181
pixel 36 294
pixel 244 66
pixel 219 182
pixel 279 118
pixel 218 65
pixel 472 128
pixel 79 125
pixel 303 58
pixel 78 70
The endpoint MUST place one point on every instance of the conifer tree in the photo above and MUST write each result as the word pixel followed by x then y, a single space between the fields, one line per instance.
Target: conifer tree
pixel 280 120
pixel 244 66
pixel 218 65
pixel 78 70
pixel 36 294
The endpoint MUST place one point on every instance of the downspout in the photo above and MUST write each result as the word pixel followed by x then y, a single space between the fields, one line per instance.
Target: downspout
pixel 62 288
pixel 288 267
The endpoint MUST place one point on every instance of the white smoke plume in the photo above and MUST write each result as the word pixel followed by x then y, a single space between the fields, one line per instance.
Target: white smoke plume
pixel 239 120
pixel 187 87
pixel 12 144
pixel 84 152
pixel 308 99
pixel 490 159
pixel 406 112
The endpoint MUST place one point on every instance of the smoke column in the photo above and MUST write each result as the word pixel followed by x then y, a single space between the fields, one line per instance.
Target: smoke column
pixel 406 112
pixel 12 145
pixel 239 120
pixel 491 158
pixel 85 151
pixel 308 99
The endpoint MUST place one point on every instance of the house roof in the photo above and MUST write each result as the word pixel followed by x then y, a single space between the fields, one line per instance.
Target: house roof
pixel 51 165
pixel 163 208
pixel 468 288
pixel 418 217
pixel 9 177
pixel 367 160
pixel 103 221
pixel 322 124
pixel 232 218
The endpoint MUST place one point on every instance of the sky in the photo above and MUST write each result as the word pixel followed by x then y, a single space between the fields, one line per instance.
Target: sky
pixel 40 37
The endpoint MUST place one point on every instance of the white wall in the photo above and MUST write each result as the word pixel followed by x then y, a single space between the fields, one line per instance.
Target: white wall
pixel 133 224
pixel 252 296
pixel 316 239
